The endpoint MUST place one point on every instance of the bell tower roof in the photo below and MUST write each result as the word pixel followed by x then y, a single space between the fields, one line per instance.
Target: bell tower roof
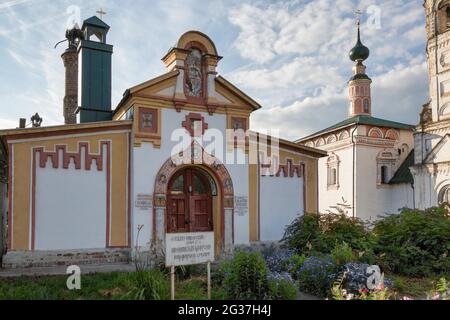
pixel 95 21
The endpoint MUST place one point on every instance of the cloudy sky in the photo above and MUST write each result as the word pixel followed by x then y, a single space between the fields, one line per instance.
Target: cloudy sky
pixel 291 56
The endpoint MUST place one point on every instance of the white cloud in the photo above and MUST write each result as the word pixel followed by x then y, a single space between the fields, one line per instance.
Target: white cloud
pixel 301 68
pixel 291 56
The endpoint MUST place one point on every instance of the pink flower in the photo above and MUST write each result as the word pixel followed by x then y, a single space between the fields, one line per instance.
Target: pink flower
pixel 437 296
pixel 407 298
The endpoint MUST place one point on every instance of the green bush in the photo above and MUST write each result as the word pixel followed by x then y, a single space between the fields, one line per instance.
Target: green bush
pixel 246 277
pixel 219 272
pixel 313 233
pixel 146 285
pixel 295 262
pixel 282 290
pixel 342 253
pixel 414 242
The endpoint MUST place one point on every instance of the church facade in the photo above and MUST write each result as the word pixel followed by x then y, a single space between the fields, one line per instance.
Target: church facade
pixel 376 166
pixel 175 155
pixel 367 168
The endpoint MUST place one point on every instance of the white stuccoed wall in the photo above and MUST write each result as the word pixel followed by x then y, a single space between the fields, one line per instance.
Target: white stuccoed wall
pixel 239 174
pixel 147 161
pixel 281 203
pixel 70 207
pixel 371 200
pixel 329 198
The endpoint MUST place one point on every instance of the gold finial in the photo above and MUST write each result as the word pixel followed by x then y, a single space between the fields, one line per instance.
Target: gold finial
pixel 101 13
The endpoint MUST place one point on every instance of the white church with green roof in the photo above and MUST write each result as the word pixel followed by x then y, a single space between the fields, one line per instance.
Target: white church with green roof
pixel 367 167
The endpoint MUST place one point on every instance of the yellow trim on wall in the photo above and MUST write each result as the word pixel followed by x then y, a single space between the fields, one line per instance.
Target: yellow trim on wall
pixel 253 201
pixel 21 207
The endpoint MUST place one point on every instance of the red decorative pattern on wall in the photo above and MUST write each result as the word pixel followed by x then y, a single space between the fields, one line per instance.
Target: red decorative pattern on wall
pixel 68 156
pixel 289 169
pixel 190 119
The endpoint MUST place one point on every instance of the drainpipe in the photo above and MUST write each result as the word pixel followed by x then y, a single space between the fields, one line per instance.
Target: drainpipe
pixel 414 195
pixel 354 171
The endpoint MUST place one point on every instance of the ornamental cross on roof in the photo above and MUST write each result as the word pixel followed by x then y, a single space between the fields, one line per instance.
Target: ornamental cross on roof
pixel 358 14
pixel 101 13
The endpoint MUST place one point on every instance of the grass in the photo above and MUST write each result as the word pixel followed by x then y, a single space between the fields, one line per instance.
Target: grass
pixel 412 287
pixel 116 286
pixel 101 286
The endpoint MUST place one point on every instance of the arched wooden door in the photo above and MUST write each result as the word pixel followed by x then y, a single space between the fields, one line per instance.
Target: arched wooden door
pixel 189 205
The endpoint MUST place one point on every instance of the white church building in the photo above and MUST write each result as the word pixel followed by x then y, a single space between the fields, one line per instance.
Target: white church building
pixel 368 157
pixel 376 166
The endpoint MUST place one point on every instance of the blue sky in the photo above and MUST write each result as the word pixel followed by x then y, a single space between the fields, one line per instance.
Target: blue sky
pixel 291 56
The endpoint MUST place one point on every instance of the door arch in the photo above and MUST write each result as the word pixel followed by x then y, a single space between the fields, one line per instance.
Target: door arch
pixel 223 199
pixel 189 202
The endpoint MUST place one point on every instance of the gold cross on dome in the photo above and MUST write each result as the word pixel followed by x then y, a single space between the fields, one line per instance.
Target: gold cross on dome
pixel 358 14
pixel 101 13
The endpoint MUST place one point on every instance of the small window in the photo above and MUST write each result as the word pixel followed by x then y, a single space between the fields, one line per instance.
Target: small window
pixel 130 114
pixel 333 171
pixel 366 105
pixel 239 124
pixel 333 179
pixel 384 175
pixel 444 195
pixel 178 185
pixel 199 186
pixel 147 120
pixel 448 17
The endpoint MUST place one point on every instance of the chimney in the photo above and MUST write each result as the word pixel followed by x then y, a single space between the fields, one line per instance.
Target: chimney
pixel 94 73
pixel 70 59
pixel 22 123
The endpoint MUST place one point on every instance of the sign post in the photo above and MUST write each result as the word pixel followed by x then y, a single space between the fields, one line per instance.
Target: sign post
pixel 172 282
pixel 187 249
pixel 208 272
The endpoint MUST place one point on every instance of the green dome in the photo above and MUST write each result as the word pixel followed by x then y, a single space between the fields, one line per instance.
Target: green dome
pixel 359 51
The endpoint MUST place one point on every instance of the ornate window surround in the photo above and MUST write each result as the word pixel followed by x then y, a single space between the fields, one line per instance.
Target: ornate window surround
pixel 154 121
pixel 201 99
pixel 444 194
pixel 142 134
pixel 333 163
pixel 388 159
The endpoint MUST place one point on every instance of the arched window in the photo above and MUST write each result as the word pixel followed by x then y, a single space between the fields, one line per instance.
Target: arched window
pixel 333 172
pixel 366 105
pixel 443 16
pixel 448 17
pixel 384 175
pixel 333 176
pixel 444 195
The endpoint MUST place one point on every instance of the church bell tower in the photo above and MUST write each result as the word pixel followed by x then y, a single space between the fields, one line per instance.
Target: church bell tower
pixel 94 72
pixel 438 54
pixel 359 83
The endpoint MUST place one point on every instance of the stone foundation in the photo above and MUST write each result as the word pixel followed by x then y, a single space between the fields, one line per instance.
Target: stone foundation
pixel 37 259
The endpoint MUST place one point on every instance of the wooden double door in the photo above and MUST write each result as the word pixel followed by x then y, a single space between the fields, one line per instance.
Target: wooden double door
pixel 189 205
